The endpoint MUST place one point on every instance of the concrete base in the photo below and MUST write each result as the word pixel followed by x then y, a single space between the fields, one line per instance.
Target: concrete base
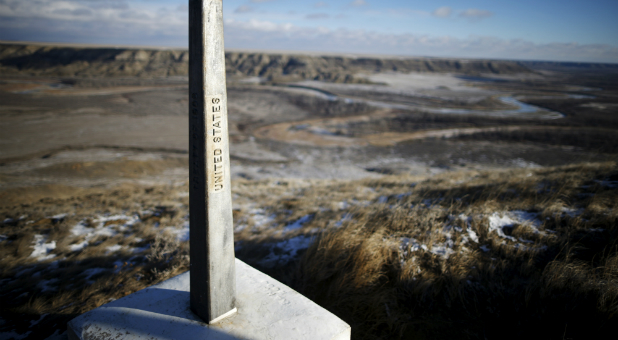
pixel 267 309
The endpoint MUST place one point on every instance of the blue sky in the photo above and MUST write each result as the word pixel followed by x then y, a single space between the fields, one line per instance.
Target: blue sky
pixel 567 30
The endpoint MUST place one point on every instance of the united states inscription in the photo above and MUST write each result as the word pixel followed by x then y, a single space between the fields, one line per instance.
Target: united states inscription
pixel 216 111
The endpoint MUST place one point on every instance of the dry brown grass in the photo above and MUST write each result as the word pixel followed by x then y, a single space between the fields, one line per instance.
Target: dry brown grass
pixel 564 285
pixel 372 251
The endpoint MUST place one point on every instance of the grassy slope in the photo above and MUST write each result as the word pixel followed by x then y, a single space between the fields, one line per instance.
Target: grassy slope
pixel 377 253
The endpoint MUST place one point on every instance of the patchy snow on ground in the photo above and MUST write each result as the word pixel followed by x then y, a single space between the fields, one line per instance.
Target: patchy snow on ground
pixel 345 218
pixel 572 212
pixel 472 235
pixel 120 222
pixel 3 238
pixel 88 273
pixel 113 249
pixel 34 322
pixel 78 246
pixel 443 250
pixel 608 184
pixel 409 245
pixel 285 251
pixel 47 285
pixel 59 217
pixel 260 220
pixel 182 234
pixel 498 221
pixel 298 223
pixel 522 163
pixel 41 249
pixel 137 250
pixel 104 226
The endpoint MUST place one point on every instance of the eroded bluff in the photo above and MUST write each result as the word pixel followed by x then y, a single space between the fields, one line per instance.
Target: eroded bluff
pixel 37 60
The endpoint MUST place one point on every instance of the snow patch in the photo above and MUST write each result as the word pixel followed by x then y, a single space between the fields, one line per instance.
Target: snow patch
pixel 343 205
pixel 298 223
pixel 608 184
pixel 286 250
pixel 32 323
pixel 497 222
pixel 260 219
pixel 78 246
pixel 92 272
pixel 472 235
pixel 410 244
pixel 573 212
pixel 138 250
pixel 113 249
pixel 522 163
pixel 106 226
pixel 47 285
pixel 81 229
pixel 346 217
pixel 443 250
pixel 182 234
pixel 59 217
pixel 42 249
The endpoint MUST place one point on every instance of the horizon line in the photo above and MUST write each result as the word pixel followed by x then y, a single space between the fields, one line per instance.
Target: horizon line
pixel 288 52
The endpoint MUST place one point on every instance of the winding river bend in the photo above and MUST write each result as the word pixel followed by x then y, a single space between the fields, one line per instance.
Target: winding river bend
pixel 319 132
pixel 522 109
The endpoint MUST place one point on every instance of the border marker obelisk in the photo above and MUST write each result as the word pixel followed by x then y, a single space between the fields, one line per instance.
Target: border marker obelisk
pixel 213 279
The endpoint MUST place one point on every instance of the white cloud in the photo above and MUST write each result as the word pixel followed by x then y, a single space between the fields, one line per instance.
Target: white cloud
pixel 108 11
pixel 139 23
pixel 317 16
pixel 475 14
pixel 358 3
pixel 442 12
pixel 320 4
pixel 244 9
pixel 290 37
pixel 91 21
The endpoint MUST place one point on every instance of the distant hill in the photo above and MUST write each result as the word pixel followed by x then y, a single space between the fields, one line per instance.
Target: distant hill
pixel 75 61
pixel 564 66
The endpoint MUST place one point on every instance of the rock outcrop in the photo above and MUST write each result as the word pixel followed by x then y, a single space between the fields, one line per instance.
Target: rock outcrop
pixel 85 62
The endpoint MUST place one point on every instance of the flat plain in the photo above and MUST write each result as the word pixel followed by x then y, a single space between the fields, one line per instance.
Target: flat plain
pixel 415 198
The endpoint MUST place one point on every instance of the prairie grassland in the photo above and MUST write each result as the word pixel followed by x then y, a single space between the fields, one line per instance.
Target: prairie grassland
pixel 478 254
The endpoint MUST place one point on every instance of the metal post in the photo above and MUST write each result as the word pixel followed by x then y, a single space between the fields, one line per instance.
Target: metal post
pixel 213 279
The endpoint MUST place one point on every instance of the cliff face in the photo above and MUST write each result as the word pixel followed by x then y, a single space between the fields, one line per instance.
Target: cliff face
pixel 91 62
pixel 122 62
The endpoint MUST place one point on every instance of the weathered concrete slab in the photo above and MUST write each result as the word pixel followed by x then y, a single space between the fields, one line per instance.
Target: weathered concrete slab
pixel 267 309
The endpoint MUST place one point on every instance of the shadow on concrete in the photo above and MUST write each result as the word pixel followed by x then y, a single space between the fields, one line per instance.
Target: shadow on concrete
pixel 150 313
